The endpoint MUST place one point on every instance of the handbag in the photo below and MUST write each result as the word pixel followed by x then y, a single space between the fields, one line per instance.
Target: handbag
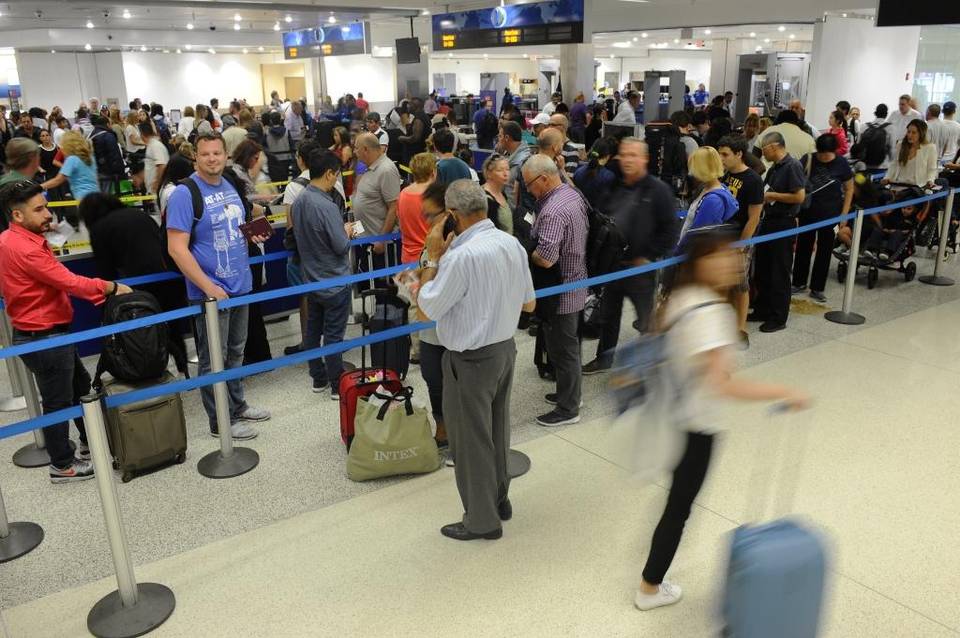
pixel 810 187
pixel 391 438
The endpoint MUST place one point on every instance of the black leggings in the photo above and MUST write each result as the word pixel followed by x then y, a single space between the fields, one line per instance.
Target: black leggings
pixel 687 480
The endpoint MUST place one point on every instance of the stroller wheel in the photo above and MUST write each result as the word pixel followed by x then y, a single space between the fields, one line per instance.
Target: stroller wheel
pixel 841 271
pixel 910 271
pixel 872 275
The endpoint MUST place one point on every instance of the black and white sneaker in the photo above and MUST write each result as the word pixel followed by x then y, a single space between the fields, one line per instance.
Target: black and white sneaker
pixel 320 386
pixel 554 419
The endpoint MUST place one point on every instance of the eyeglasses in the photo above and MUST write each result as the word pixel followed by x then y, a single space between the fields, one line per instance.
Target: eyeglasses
pixel 530 183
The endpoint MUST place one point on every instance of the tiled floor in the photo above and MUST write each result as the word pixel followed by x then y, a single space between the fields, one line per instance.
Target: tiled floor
pixel 295 549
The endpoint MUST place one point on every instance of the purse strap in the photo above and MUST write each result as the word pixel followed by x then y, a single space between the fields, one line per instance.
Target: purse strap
pixel 404 394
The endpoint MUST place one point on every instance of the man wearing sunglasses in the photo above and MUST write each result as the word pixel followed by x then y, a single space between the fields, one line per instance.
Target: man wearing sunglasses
pixel 37 290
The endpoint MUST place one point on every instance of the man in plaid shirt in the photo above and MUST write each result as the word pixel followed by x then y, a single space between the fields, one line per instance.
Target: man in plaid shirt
pixel 560 231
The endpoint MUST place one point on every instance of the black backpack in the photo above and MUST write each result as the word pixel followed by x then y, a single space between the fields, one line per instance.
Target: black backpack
pixel 668 155
pixel 606 243
pixel 872 147
pixel 489 127
pixel 136 355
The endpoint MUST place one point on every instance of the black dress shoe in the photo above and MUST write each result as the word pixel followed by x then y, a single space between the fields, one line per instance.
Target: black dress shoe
pixel 772 326
pixel 293 349
pixel 505 509
pixel 754 317
pixel 458 532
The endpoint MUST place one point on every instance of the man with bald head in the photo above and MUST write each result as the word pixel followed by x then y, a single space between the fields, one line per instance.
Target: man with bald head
pixel 375 198
pixel 643 209
pixel 550 144
pixel 797 107
pixel 571 155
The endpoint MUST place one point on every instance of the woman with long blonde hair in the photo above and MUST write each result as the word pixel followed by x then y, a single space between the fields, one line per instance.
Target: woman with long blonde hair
pixel 79 169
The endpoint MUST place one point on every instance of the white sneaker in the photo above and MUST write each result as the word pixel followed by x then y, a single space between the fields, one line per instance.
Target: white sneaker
pixel 239 432
pixel 668 594
pixel 253 414
pixel 448 460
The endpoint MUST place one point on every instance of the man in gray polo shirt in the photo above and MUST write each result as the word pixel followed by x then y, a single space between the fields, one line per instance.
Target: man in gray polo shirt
pixel 476 318
pixel 375 198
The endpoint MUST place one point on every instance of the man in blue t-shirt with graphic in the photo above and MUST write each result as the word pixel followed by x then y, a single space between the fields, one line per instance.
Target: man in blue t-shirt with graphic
pixel 212 255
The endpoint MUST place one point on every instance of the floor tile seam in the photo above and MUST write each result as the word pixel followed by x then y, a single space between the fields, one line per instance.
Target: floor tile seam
pixel 899 356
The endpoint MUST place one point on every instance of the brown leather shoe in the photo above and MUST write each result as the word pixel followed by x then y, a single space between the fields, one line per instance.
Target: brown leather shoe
pixel 441 437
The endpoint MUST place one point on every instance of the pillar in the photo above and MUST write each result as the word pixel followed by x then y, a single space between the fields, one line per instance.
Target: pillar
pixel 577 73
pixel 856 61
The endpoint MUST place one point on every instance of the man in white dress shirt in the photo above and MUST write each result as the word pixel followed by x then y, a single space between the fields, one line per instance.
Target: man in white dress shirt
pixel 900 118
pixel 474 285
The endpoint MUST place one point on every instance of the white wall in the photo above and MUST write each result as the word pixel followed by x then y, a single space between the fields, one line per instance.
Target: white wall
pixel 855 61
pixel 352 73
pixel 695 63
pixel 468 70
pixel 110 79
pixel 58 79
pixel 192 78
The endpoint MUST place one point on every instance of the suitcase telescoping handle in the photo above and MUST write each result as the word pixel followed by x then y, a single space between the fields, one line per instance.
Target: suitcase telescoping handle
pixel 391 246
pixel 779 456
pixel 376 293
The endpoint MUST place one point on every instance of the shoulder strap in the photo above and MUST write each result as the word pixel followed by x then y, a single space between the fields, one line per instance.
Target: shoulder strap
pixel 689 311
pixel 197 198
pixel 302 181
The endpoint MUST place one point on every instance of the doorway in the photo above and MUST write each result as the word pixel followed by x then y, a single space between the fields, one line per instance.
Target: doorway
pixel 294 87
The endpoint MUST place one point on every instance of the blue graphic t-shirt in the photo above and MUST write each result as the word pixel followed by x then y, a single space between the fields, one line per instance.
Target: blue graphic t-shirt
pixel 218 245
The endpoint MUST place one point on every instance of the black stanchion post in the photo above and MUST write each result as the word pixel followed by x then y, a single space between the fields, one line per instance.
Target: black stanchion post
pixel 132 609
pixel 846 316
pixel 15 401
pixel 936 279
pixel 16 539
pixel 229 461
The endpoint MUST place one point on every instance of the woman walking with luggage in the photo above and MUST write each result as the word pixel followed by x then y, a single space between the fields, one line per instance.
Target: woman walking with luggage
pixel 702 335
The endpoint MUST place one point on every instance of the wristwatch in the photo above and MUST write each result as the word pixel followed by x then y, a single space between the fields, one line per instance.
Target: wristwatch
pixel 431 263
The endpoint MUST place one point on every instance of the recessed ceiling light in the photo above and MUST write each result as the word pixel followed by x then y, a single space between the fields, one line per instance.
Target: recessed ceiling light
pixel 126 14
pixel 621 45
pixel 611 56
pixel 166 50
pixel 792 36
pixel 245 52
pixel 276 26
pixel 260 49
pixel 189 26
pixel 178 51
pixel 634 38
pixel 89 24
pixel 643 35
pixel 87 46
pixel 485 55
pixel 844 15
pixel 766 40
pixel 781 28
pixel 332 19
pixel 676 40
pixel 288 19
pixel 449 55
pixel 525 55
pixel 143 47
pixel 211 51
pixel 753 34
pixel 236 17
pixel 236 26
pixel 425 12
pixel 707 31
pixel 53 50
pixel 188 46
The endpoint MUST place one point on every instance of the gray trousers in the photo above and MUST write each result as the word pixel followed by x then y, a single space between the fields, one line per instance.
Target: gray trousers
pixel 563 348
pixel 476 409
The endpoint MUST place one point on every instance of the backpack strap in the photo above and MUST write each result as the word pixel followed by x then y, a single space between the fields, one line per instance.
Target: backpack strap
pixel 197 197
pixel 689 311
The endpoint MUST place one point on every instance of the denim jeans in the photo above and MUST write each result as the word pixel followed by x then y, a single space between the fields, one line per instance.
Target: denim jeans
pixel 62 380
pixel 327 319
pixel 233 337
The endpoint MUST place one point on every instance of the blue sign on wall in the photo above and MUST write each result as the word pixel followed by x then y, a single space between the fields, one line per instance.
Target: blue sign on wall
pixel 551 22
pixel 347 39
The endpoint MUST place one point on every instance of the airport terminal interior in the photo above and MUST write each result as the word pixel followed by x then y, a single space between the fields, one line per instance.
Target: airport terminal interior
pixel 848 453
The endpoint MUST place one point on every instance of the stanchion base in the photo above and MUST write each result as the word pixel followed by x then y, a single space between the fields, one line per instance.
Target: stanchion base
pixel 846 318
pixel 215 466
pixel 23 538
pixel 13 404
pixel 110 619
pixel 518 464
pixel 33 456
pixel 936 280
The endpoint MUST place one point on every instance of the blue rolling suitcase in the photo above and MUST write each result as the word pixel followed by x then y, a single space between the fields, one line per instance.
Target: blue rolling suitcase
pixel 775 582
pixel 776 573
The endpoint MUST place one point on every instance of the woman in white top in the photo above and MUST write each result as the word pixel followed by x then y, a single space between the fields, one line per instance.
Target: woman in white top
pixel 131 132
pixel 916 162
pixel 185 126
pixel 702 334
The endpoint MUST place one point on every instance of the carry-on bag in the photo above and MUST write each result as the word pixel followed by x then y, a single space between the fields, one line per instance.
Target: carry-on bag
pixel 363 381
pixel 146 434
pixel 392 437
pixel 776 575
pixel 390 312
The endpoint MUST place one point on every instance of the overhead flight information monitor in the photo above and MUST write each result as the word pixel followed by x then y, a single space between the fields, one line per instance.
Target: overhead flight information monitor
pixel 347 39
pixel 551 22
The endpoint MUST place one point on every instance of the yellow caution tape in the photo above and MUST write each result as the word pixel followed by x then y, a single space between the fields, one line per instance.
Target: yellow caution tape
pixel 279 217
pixel 126 199
pixel 347 173
pixel 405 168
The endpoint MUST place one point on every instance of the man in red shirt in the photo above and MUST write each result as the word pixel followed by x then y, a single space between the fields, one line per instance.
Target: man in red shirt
pixel 37 289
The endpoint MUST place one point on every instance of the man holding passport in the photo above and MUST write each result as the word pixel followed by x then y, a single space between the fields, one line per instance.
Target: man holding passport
pixel 210 249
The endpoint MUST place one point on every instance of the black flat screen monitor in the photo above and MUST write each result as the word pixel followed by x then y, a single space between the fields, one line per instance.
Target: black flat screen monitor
pixel 898 13
pixel 408 51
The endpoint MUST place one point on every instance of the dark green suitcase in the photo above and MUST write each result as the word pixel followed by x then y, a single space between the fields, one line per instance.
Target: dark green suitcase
pixel 146 434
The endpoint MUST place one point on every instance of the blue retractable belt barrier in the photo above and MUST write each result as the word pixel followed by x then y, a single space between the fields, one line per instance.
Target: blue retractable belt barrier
pixel 265 366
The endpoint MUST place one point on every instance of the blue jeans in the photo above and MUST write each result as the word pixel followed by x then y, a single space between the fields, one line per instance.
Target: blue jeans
pixel 326 319
pixel 233 337
pixel 62 380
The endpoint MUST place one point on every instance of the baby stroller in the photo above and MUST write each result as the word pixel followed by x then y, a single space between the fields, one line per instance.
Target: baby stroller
pixel 899 249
